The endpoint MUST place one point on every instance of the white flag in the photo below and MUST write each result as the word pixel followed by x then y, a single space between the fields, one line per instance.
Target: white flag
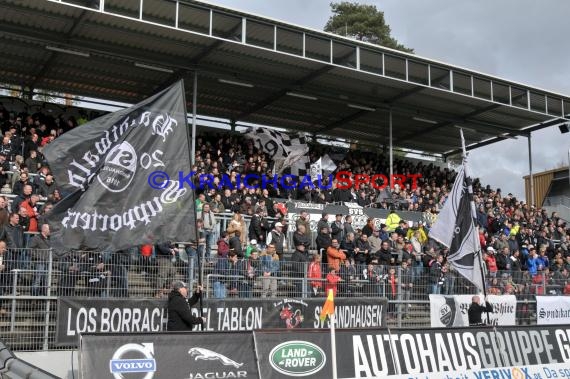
pixel 455 228
pixel 316 170
pixel 283 149
pixel 327 164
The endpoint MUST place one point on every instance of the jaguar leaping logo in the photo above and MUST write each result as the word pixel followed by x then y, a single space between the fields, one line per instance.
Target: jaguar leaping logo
pixel 209 355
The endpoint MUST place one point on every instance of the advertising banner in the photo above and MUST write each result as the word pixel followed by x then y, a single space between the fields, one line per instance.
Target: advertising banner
pixel 553 310
pixel 431 353
pixel 451 311
pixel 84 315
pixel 168 355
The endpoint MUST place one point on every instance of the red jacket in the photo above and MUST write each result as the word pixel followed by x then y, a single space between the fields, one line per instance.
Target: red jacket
pixel 32 214
pixel 332 280
pixel 491 263
pixel 315 272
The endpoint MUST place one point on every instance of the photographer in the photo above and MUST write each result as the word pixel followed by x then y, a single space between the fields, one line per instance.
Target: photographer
pixel 179 314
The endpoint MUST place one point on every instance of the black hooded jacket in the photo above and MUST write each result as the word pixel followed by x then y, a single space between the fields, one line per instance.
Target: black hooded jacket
pixel 179 315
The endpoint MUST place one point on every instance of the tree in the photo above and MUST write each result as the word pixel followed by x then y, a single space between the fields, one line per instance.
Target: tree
pixel 362 22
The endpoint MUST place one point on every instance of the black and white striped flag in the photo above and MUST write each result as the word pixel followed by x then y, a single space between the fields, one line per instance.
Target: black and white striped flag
pixel 284 150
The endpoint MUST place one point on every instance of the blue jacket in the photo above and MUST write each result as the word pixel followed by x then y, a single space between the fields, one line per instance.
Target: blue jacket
pixel 268 264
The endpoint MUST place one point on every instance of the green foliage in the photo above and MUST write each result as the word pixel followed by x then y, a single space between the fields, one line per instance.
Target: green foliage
pixel 362 22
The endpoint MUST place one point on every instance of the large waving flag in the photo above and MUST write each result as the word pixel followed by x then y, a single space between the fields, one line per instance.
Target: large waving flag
pixel 283 149
pixel 455 228
pixel 105 167
pixel 328 307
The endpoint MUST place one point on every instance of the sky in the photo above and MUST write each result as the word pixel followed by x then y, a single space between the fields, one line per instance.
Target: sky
pixel 520 40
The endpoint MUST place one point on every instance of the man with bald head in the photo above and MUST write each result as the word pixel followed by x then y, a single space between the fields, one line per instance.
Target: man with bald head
pixel 476 310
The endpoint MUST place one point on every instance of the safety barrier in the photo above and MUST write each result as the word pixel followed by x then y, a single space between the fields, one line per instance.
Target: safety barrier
pixel 32 281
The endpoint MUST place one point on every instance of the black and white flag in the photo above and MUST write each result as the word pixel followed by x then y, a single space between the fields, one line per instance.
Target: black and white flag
pixel 455 228
pixel 109 168
pixel 283 149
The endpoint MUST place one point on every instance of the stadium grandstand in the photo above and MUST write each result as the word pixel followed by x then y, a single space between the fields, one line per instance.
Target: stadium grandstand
pixel 357 103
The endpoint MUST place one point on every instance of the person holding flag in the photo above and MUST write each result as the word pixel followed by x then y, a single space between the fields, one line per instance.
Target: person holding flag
pixel 456 229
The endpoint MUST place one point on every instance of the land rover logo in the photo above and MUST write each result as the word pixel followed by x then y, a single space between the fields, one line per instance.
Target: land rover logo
pixel 297 358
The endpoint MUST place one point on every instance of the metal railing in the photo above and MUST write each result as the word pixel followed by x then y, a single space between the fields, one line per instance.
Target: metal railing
pixel 30 286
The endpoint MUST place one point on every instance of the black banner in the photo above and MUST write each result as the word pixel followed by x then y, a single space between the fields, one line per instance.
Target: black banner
pixel 168 355
pixel 381 353
pixel 120 175
pixel 360 353
pixel 84 315
pixel 359 214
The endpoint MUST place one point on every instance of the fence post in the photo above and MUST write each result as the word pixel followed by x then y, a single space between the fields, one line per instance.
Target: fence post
pixel 399 297
pixel 191 275
pixel 46 319
pixel 14 293
pixel 304 290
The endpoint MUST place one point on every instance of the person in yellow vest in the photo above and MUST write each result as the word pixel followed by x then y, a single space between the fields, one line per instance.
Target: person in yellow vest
pixel 422 238
pixel 392 221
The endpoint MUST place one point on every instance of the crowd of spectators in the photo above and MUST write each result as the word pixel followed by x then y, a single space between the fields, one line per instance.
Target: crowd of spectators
pixel 525 249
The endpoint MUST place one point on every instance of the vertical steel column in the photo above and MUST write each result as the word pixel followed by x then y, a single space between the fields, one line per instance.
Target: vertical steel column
pixel 391 151
pixel 530 170
pixel 194 100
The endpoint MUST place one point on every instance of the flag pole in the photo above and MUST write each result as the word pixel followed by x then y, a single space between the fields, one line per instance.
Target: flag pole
pixel 332 320
pixel 470 191
pixel 191 137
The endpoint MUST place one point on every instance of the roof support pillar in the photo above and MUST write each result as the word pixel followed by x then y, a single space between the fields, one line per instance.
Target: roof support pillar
pixel 194 115
pixel 391 149
pixel 531 179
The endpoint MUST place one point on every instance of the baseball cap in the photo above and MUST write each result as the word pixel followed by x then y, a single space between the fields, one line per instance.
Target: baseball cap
pixel 253 242
pixel 278 225
pixel 490 249
pixel 177 284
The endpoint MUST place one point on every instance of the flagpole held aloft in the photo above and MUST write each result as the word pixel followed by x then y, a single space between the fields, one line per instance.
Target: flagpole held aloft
pixel 456 227
pixel 474 213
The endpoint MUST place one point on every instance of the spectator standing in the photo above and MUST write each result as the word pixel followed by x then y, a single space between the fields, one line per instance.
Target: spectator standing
pixel 277 238
pixel 337 228
pixel 315 275
pixel 270 270
pixel 335 256
pixel 32 212
pixel 256 228
pixel 39 246
pixel 300 237
pixel 235 244
pixel 435 274
pixel 406 282
pixel 210 225
pixel 299 258
pixel 180 316
pixel 332 281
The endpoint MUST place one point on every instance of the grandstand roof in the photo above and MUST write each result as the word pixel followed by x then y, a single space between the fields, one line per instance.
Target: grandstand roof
pixel 259 70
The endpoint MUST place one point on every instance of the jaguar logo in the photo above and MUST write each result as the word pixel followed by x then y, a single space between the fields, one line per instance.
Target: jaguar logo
pixel 199 353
